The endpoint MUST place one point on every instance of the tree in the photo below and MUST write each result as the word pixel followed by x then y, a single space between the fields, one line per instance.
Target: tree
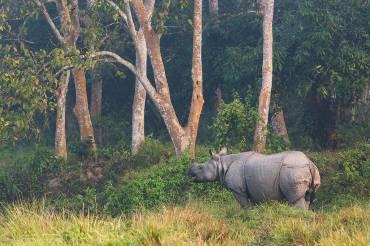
pixel 213 11
pixel 278 122
pixel 182 137
pixel 96 102
pixel 60 130
pixel 138 106
pixel 67 36
pixel 27 77
pixel 267 12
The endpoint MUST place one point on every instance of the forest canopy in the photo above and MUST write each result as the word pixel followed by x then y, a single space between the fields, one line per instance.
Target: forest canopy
pixel 320 75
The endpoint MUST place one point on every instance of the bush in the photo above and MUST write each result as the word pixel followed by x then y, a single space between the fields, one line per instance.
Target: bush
pixel 25 173
pixel 234 124
pixel 164 183
pixel 344 173
pixel 353 175
pixel 276 143
pixel 348 135
pixel 118 158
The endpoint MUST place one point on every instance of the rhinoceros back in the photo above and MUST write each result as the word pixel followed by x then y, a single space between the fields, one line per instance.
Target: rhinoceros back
pixel 262 176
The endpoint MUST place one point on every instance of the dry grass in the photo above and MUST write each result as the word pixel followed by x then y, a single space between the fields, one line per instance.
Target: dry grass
pixel 194 224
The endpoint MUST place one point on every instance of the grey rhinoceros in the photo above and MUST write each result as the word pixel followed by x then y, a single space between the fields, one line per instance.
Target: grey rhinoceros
pixel 255 177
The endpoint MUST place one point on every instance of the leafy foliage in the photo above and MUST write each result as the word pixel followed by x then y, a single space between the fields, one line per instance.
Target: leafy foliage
pixel 25 175
pixel 234 124
pixel 165 183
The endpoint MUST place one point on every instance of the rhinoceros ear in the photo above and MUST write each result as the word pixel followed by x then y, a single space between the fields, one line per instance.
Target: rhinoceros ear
pixel 223 151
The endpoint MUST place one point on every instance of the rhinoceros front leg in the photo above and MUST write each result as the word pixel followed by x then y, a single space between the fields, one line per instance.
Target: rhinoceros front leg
pixel 302 203
pixel 241 198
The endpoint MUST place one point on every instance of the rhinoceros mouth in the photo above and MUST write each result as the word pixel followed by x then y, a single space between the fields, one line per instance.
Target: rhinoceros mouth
pixel 192 176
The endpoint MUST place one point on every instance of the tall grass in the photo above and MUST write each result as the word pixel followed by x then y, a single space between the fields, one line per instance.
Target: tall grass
pixel 195 223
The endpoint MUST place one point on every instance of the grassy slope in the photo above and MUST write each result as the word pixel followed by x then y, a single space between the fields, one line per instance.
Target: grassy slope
pixel 195 223
pixel 338 219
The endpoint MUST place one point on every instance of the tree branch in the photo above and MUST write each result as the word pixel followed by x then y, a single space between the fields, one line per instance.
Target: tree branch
pixel 127 17
pixel 143 79
pixel 149 6
pixel 50 21
pixel 118 9
pixel 153 43
pixel 75 18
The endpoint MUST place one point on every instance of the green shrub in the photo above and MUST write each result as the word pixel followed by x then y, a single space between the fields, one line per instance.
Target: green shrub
pixel 234 124
pixel 118 158
pixel 276 143
pixel 348 135
pixel 24 174
pixel 164 183
pixel 353 175
pixel 344 173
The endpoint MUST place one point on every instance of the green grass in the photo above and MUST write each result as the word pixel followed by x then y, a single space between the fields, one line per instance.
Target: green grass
pixel 195 223
pixel 153 203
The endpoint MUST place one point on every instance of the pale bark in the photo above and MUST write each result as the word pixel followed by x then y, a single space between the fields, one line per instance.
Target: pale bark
pixel 96 103
pixel 67 37
pixel 138 106
pixel 213 12
pixel 60 131
pixel 267 7
pixel 364 105
pixel 218 97
pixel 197 100
pixel 182 137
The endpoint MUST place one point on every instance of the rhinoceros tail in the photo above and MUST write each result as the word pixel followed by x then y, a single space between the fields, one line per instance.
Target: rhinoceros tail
pixel 310 195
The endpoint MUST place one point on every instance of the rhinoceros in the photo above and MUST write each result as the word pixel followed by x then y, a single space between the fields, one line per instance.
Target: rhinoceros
pixel 254 177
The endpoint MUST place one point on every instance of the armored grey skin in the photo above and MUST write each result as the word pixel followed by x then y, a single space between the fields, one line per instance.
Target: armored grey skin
pixel 255 177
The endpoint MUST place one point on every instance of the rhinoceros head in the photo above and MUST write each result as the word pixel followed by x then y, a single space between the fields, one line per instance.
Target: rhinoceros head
pixel 207 171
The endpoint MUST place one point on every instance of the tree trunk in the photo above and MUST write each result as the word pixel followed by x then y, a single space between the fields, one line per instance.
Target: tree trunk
pixel 213 12
pixel 138 106
pixel 265 94
pixel 278 123
pixel 81 109
pixel 197 100
pixel 60 129
pixel 218 95
pixel 182 137
pixel 364 106
pixel 96 104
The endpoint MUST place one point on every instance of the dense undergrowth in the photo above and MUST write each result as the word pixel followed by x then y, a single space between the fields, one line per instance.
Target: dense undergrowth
pixel 149 200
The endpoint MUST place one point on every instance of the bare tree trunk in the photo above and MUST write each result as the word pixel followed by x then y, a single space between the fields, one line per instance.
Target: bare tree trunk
pixel 265 94
pixel 278 123
pixel 197 100
pixel 364 106
pixel 138 106
pixel 81 108
pixel 218 94
pixel 60 129
pixel 96 103
pixel 182 137
pixel 67 35
pixel 213 11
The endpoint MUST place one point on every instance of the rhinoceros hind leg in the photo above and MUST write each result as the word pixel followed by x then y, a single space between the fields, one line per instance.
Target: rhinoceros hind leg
pixel 302 203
